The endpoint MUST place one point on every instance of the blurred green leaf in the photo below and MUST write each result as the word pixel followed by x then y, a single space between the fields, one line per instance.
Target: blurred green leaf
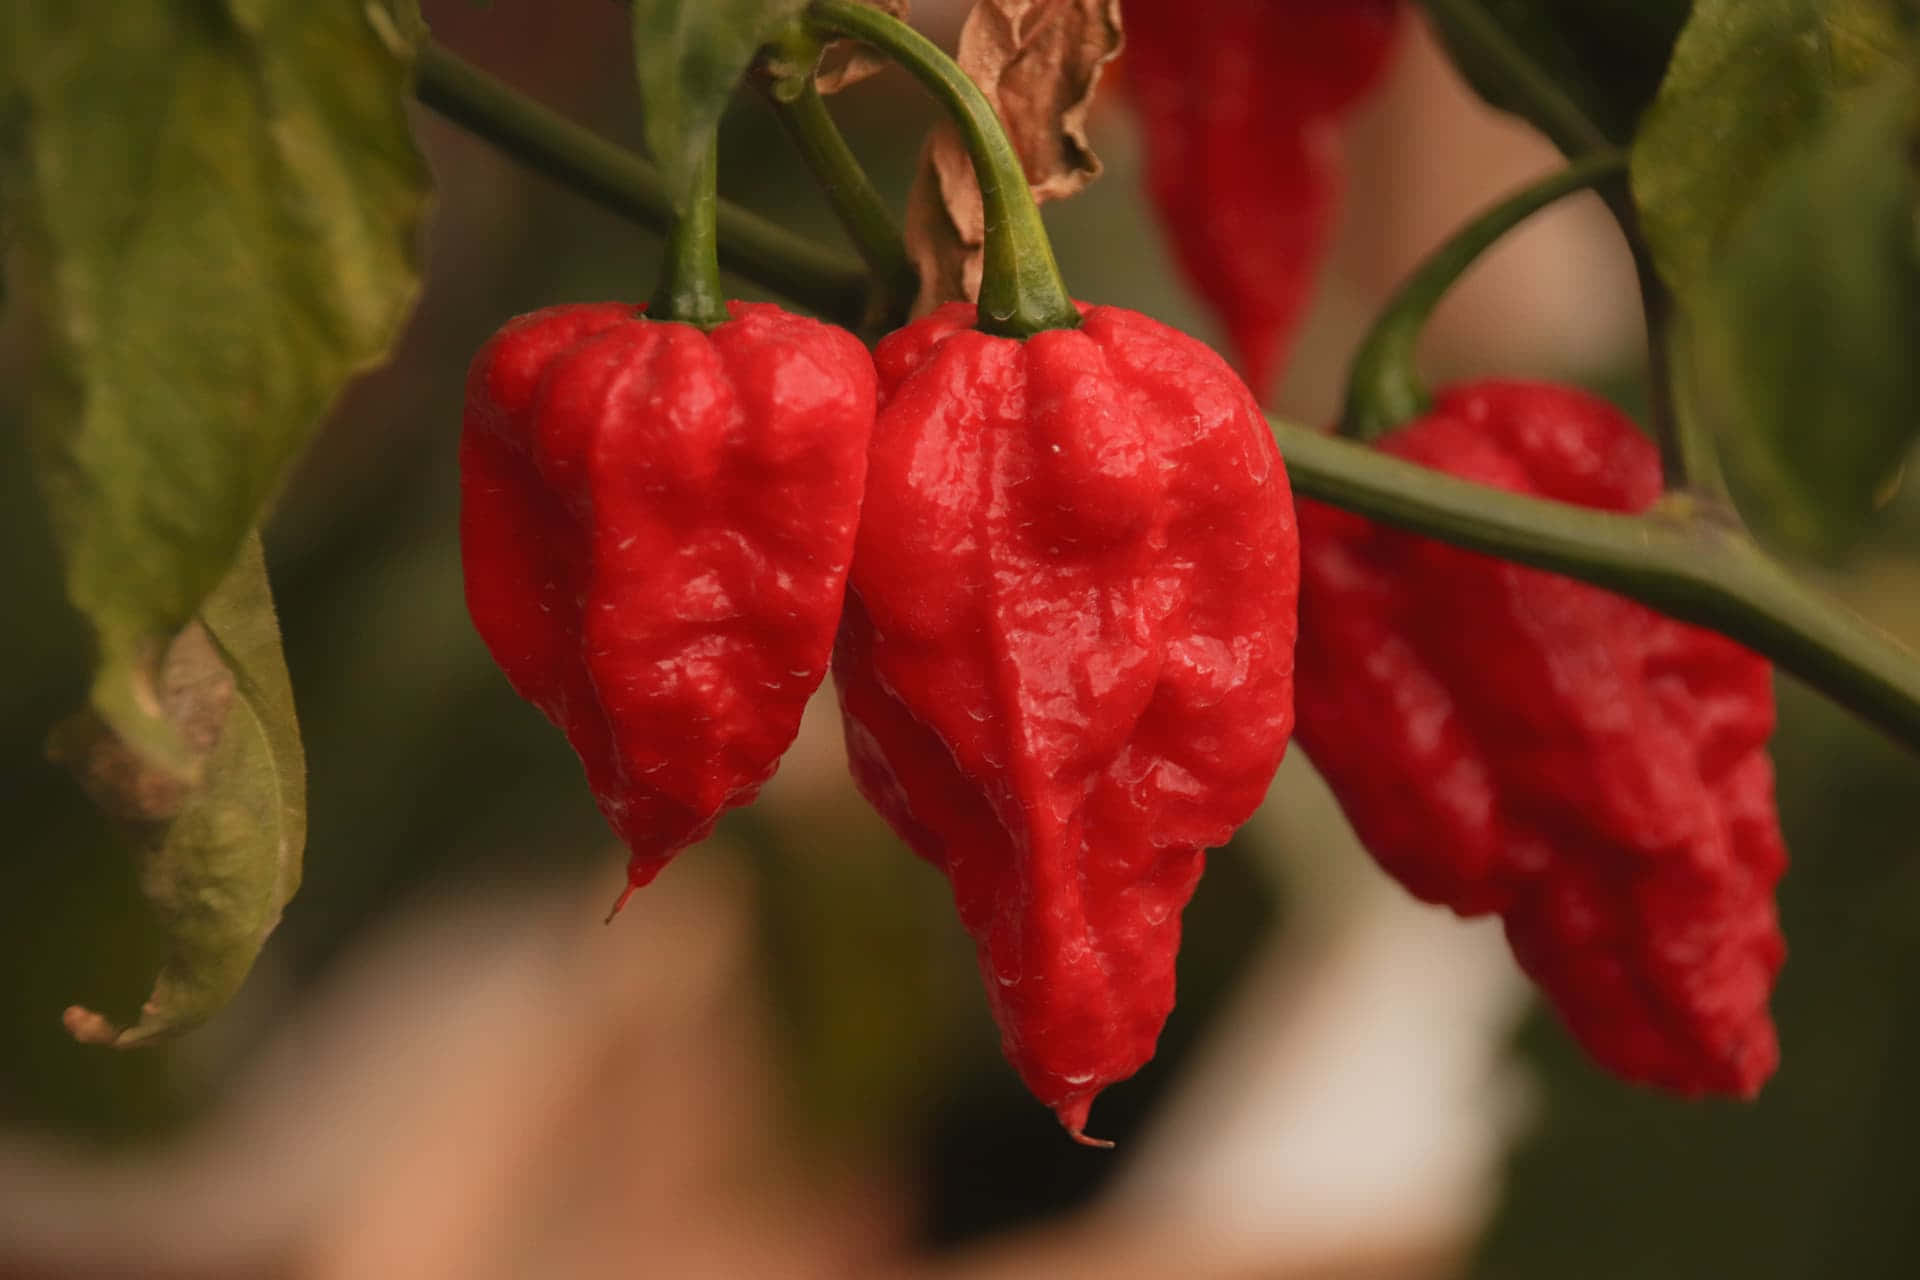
pixel 1777 195
pixel 1580 72
pixel 1805 336
pixel 218 208
pixel 688 56
pixel 219 858
pixel 1751 82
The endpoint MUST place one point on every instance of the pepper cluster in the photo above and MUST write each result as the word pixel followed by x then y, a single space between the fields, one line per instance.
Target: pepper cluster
pixel 1049 552
pixel 1065 660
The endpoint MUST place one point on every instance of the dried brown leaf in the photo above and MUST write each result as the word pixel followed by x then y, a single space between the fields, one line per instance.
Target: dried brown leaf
pixel 846 62
pixel 1038 62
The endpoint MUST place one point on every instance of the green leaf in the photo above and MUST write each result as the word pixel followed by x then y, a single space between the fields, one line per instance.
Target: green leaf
pixel 1776 194
pixel 218 209
pixel 1580 71
pixel 1805 335
pixel 1751 81
pixel 220 855
pixel 688 56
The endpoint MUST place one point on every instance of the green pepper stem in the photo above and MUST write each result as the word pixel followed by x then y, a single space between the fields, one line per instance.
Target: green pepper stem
pixel 850 193
pixel 1674 559
pixel 1384 388
pixel 689 290
pixel 1021 292
pixel 831 283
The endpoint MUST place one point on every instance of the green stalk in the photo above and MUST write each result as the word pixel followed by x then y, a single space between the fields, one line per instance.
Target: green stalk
pixel 1686 564
pixel 833 284
pixel 689 290
pixel 850 193
pixel 1384 387
pixel 1021 292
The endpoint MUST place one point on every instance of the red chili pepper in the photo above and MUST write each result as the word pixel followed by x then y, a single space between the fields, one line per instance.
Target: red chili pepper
pixel 1239 101
pixel 1507 740
pixel 656 525
pixel 1066 662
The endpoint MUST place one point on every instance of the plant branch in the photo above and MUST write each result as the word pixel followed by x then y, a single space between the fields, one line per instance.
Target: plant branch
pixel 833 284
pixel 1672 559
pixel 1676 559
pixel 1384 388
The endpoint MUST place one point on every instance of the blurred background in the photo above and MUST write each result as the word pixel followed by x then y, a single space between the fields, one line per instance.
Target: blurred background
pixel 777 1062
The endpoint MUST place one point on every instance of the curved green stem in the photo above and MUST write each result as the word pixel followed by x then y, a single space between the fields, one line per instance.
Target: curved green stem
pixel 1384 387
pixel 850 193
pixel 1021 292
pixel 689 290
pixel 1674 558
pixel 834 284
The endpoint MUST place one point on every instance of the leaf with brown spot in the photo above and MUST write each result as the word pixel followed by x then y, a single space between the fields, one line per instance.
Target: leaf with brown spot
pixel 219 847
pixel 1038 62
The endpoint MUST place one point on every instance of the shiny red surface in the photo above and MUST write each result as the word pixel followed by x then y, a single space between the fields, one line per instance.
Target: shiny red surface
pixel 1066 662
pixel 656 526
pixel 1507 740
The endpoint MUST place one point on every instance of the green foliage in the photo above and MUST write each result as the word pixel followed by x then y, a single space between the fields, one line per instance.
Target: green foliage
pixel 220 860
pixel 1805 345
pixel 1579 72
pixel 1776 187
pixel 688 56
pixel 218 211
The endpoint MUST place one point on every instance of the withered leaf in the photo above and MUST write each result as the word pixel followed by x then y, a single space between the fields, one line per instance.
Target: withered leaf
pixel 219 846
pixel 1038 62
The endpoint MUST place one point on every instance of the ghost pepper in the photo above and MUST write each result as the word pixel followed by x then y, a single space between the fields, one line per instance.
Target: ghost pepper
pixel 656 525
pixel 1509 741
pixel 1239 101
pixel 1066 665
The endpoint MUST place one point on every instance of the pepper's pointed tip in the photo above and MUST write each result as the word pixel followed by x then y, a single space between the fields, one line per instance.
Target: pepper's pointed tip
pixel 1073 1118
pixel 620 902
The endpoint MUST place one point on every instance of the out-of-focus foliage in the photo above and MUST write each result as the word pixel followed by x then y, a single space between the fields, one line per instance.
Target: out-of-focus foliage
pixel 1596 63
pixel 1816 1178
pixel 1778 186
pixel 214 215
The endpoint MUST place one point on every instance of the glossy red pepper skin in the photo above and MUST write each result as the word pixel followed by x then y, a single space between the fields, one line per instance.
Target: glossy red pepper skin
pixel 1066 662
pixel 656 526
pixel 1507 740
pixel 1239 104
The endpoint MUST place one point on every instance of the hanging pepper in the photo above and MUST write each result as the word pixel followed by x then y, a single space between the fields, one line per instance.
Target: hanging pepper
pixel 656 525
pixel 1509 741
pixel 1066 662
pixel 1239 101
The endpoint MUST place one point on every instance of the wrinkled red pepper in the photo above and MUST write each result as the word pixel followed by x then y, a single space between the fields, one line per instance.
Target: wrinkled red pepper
pixel 1239 103
pixel 1066 664
pixel 1507 740
pixel 656 525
